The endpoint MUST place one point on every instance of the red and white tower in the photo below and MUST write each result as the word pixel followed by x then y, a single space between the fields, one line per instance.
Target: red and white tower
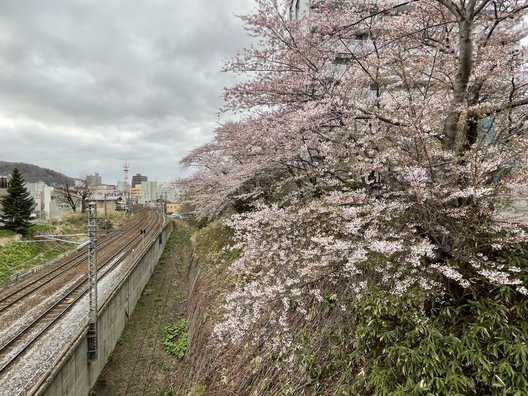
pixel 126 167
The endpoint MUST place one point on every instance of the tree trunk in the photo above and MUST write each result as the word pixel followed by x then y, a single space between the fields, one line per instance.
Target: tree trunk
pixel 455 136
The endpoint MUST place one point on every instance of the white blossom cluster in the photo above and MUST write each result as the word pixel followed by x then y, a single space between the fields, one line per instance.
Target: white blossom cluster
pixel 359 159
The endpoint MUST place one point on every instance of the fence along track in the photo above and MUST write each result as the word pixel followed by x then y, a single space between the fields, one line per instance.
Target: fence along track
pixel 19 344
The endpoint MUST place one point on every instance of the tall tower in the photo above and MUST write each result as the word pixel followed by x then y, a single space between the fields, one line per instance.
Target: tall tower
pixel 126 167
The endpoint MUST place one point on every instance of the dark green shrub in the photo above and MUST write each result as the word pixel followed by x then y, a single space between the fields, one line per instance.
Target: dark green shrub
pixel 478 346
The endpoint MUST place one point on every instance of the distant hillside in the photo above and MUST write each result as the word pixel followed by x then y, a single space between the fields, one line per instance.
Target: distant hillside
pixel 34 173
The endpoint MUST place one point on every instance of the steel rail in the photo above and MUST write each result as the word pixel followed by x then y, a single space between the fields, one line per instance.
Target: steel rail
pixel 16 294
pixel 78 289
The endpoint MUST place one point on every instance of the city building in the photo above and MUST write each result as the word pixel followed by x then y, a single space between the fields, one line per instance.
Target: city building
pixel 50 202
pixel 107 203
pixel 135 192
pixel 108 190
pixel 172 207
pixel 59 207
pixel 49 205
pixel 94 180
pixel 4 183
pixel 41 194
pixel 153 191
pixel 137 179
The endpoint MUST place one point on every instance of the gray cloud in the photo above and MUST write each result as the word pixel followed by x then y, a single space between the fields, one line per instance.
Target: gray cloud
pixel 86 85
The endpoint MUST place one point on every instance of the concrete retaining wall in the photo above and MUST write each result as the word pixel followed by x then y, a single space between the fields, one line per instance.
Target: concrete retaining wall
pixel 73 374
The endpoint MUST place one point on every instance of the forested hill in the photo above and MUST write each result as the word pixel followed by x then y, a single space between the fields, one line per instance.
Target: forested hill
pixel 34 173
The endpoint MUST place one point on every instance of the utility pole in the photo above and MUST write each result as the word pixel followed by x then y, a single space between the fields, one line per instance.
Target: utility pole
pixel 106 216
pixel 92 281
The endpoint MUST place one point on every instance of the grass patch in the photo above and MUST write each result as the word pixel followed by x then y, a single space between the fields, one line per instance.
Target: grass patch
pixel 20 257
pixel 198 389
pixel 174 338
pixel 39 229
pixel 123 340
pixel 16 257
pixel 7 233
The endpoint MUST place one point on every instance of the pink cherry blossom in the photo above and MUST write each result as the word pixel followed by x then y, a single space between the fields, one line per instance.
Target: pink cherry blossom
pixel 374 141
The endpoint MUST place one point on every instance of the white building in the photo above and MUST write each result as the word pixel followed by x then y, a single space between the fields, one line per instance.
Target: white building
pixel 153 191
pixel 41 194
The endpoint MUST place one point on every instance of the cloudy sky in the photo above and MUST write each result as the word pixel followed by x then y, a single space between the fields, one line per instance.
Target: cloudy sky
pixel 86 85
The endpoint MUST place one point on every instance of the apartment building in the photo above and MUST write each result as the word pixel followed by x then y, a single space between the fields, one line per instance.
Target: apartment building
pixel 42 194
pixel 137 179
pixel 153 191
pixel 94 180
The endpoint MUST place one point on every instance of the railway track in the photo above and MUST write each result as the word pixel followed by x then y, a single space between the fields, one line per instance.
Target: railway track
pixel 140 373
pixel 16 293
pixel 113 251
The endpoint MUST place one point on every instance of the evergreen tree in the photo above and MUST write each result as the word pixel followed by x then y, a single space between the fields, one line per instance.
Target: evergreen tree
pixel 18 203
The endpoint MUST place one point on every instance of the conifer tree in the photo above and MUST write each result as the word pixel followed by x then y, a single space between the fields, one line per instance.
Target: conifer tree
pixel 18 203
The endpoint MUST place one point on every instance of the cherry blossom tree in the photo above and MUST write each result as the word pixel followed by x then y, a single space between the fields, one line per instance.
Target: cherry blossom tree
pixel 375 139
